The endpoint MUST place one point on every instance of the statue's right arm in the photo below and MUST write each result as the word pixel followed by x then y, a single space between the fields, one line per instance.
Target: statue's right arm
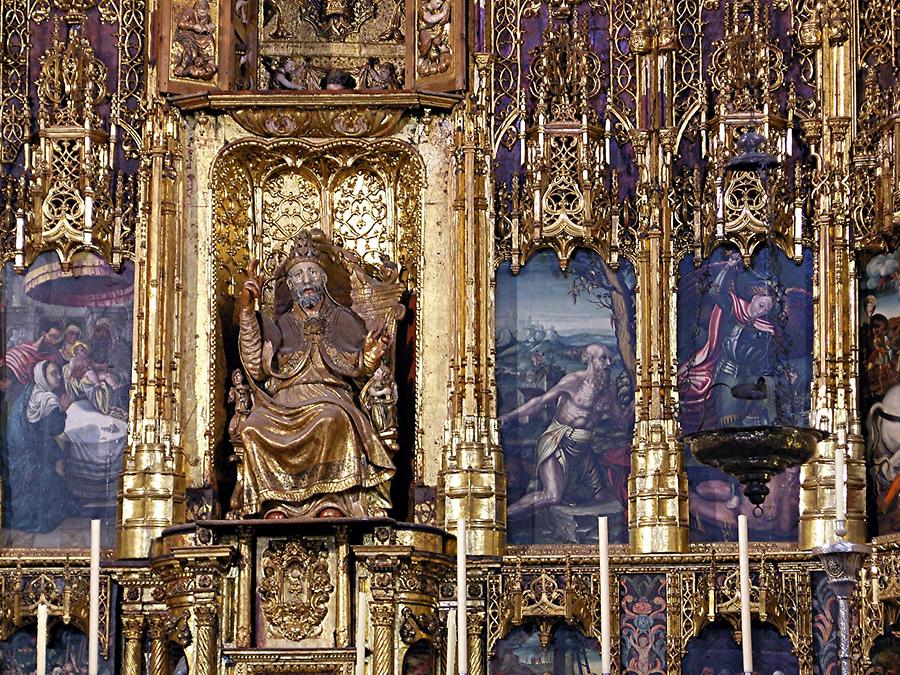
pixel 250 341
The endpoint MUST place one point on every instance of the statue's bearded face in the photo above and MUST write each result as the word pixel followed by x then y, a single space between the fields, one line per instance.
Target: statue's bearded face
pixel 307 283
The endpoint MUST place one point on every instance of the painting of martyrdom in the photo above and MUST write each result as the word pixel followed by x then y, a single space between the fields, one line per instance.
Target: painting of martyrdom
pixel 568 653
pixel 66 371
pixel 715 652
pixel 745 359
pixel 879 347
pixel 67 653
pixel 565 381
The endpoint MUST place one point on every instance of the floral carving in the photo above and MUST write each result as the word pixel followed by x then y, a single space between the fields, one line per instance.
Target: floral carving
pixel 295 588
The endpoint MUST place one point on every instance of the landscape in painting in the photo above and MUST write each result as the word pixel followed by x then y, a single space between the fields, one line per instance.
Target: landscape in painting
pixel 745 359
pixel 565 385
pixel 715 652
pixel 66 372
pixel 569 653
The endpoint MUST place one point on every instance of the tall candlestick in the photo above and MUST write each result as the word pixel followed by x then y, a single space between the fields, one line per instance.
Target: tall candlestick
pixel 746 635
pixel 840 484
pixel 41 640
pixel 362 607
pixel 94 597
pixel 451 643
pixel 462 647
pixel 603 531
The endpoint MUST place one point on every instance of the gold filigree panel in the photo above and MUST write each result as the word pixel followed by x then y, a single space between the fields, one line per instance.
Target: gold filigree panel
pixel 296 588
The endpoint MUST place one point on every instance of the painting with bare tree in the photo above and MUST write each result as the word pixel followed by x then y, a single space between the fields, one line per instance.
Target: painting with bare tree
pixel 565 386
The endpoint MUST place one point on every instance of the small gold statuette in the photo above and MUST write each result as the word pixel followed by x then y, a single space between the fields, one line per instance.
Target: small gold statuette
pixel 318 437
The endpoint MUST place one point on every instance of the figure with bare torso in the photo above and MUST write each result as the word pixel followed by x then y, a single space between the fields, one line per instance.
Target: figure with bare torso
pixel 565 456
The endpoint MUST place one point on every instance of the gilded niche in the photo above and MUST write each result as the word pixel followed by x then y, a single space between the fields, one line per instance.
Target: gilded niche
pixel 319 435
pixel 295 588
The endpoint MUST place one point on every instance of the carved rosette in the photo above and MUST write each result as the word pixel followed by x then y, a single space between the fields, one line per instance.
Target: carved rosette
pixel 295 588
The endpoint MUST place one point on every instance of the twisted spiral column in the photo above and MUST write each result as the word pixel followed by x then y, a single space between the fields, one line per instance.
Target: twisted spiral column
pixel 383 642
pixel 132 632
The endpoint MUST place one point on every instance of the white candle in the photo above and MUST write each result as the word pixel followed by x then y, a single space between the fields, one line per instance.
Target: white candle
pixel 840 484
pixel 798 222
pixel 362 607
pixel 20 231
pixel 720 212
pixel 875 589
pixel 27 155
pixel 603 527
pixel 94 597
pixel 113 134
pixel 606 141
pixel 42 639
pixel 722 133
pixel 462 648
pixel 789 141
pixel 88 212
pixel 522 157
pixel 451 643
pixel 746 636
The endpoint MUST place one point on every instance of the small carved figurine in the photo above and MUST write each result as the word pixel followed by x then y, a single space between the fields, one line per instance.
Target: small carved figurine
pixel 379 398
pixel 377 75
pixel 296 73
pixel 240 395
pixel 195 37
pixel 433 41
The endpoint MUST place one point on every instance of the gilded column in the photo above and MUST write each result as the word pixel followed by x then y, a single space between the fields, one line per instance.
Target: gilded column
pixel 159 643
pixel 207 649
pixel 658 517
pixel 472 483
pixel 383 639
pixel 475 628
pixel 132 635
pixel 151 487
pixel 244 603
pixel 835 369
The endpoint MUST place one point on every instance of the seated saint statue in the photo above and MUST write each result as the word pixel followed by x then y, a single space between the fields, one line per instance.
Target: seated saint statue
pixel 309 449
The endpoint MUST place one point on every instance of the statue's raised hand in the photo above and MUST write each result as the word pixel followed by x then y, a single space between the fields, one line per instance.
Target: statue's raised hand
pixel 375 345
pixel 252 286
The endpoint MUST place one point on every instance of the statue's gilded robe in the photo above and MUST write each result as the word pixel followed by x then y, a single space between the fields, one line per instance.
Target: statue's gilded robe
pixel 305 440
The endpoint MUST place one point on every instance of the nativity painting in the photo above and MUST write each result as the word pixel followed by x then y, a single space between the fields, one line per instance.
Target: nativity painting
pixel 744 359
pixel 66 372
pixel 565 381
